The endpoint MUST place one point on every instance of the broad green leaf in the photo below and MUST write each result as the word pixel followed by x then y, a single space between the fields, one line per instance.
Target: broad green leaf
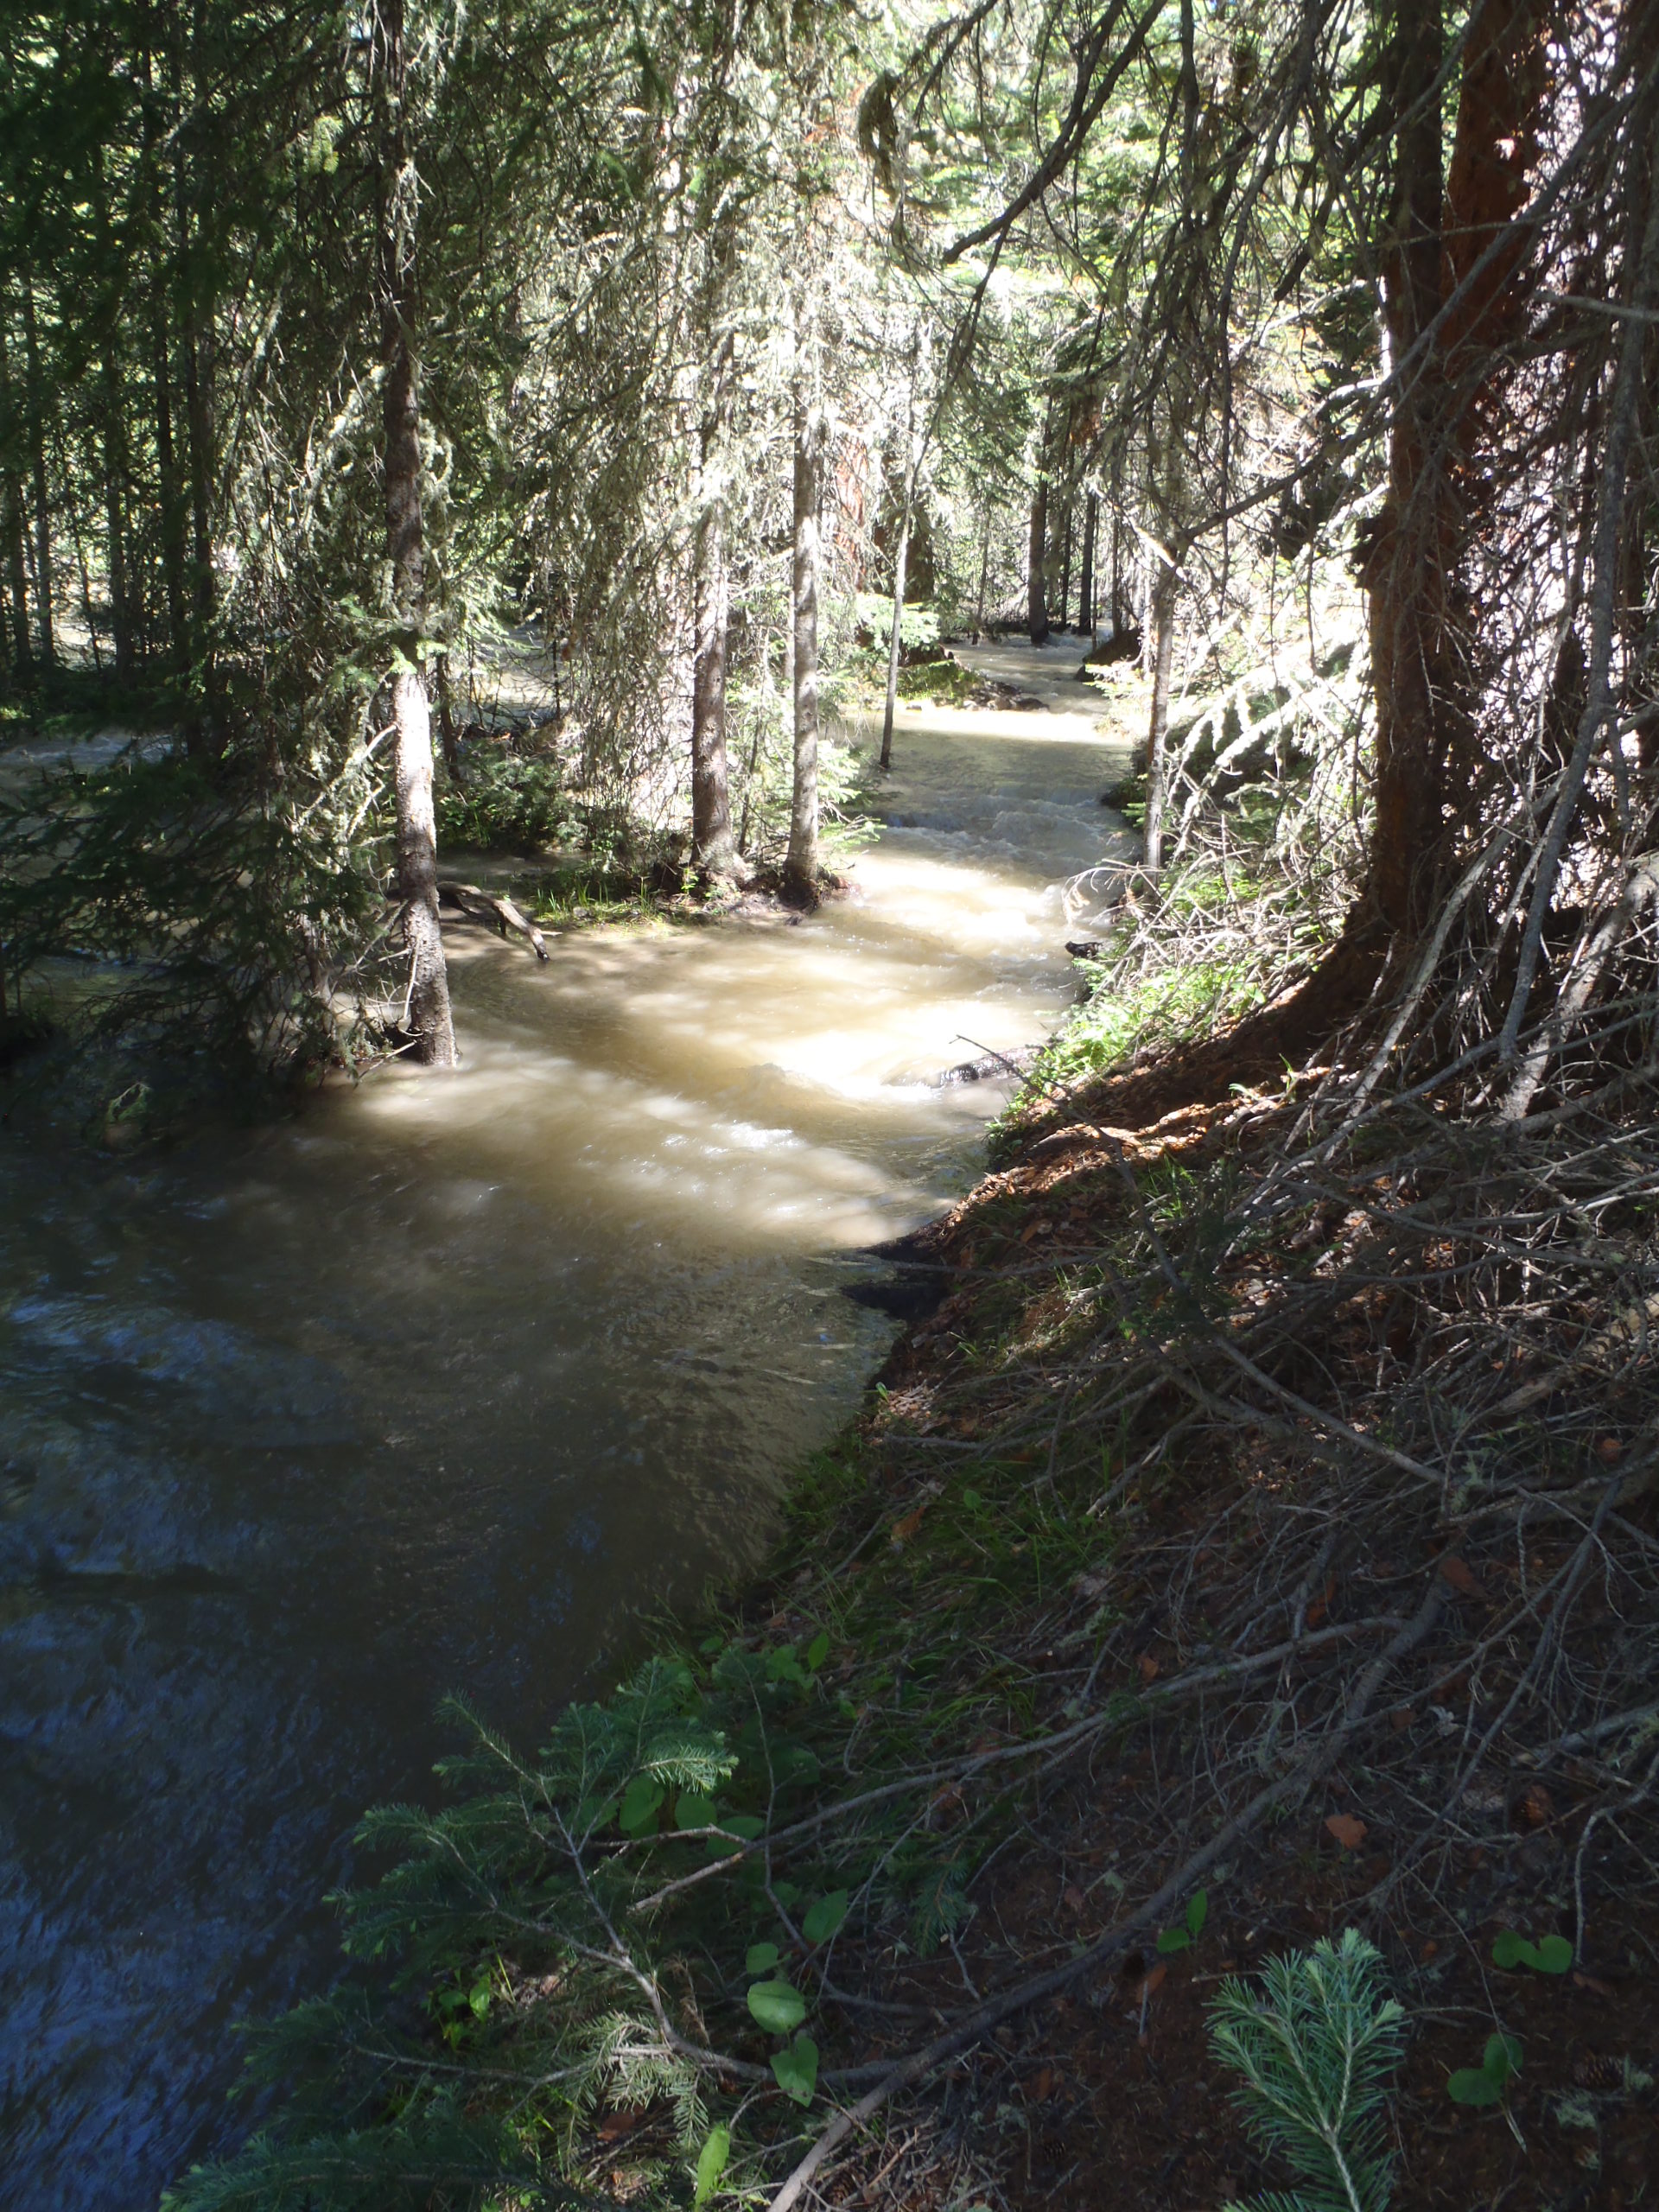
pixel 778 2006
pixel 1508 1948
pixel 1174 1939
pixel 747 1825
pixel 1501 2057
pixel 817 1651
pixel 479 1997
pixel 796 2068
pixel 695 1811
pixel 1553 1955
pixel 1198 1911
pixel 711 2165
pixel 641 1801
pixel 782 1665
pixel 824 1917
pixel 1473 2085
pixel 760 1958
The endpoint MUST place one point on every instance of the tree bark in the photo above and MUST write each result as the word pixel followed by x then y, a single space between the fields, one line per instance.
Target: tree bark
pixel 1162 598
pixel 12 492
pixel 1086 579
pixel 117 463
pixel 171 514
pixel 801 865
pixel 895 641
pixel 37 399
pixel 1036 554
pixel 1065 567
pixel 427 1018
pixel 713 849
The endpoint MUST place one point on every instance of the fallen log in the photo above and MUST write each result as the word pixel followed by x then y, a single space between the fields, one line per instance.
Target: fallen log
pixel 483 906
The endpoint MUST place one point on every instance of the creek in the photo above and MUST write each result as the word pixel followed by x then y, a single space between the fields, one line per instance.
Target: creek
pixel 439 1386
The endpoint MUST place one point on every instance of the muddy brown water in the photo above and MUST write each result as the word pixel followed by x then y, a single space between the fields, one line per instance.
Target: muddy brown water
pixel 437 1388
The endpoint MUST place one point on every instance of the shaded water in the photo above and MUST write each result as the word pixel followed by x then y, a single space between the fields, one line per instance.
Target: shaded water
pixel 432 1389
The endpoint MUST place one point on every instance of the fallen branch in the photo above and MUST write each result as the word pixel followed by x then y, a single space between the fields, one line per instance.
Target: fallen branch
pixel 495 906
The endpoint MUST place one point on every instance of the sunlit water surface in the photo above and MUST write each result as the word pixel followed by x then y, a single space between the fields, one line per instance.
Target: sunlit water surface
pixel 434 1389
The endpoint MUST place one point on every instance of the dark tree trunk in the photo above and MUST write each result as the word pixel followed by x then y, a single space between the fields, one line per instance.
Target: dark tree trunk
pixel 1036 554
pixel 171 504
pixel 713 847
pixel 1086 581
pixel 37 399
pixel 116 464
pixel 984 579
pixel 1065 567
pixel 194 344
pixel 895 641
pixel 1163 627
pixel 1442 235
pixel 801 867
pixel 13 509
pixel 429 1020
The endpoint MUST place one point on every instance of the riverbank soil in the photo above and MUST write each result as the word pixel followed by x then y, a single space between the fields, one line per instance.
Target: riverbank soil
pixel 1287 1491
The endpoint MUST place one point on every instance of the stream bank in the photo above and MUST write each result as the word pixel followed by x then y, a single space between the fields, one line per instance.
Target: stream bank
pixel 1119 1645
pixel 446 1383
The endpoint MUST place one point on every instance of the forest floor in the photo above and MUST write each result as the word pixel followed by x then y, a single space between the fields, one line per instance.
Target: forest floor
pixel 1010 1583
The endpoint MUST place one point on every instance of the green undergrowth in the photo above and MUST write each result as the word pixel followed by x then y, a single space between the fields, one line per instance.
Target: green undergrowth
pixel 754 1820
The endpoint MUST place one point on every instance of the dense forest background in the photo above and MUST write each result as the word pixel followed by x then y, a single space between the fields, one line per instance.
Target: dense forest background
pixel 710 362
pixel 340 352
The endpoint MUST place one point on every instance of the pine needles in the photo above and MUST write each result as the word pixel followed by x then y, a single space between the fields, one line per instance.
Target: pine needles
pixel 1315 2048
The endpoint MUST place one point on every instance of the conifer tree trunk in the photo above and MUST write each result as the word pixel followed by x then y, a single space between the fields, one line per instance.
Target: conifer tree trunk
pixel 1086 579
pixel 428 1020
pixel 1065 567
pixel 1036 554
pixel 1163 627
pixel 36 411
pixel 1405 561
pixel 895 642
pixel 713 847
pixel 116 465
pixel 12 508
pixel 801 867
pixel 170 504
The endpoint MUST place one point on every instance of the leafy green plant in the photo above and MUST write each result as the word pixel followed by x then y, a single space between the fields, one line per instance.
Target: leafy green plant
pixel 1182 1939
pixel 1315 2045
pixel 1553 1955
pixel 1487 2083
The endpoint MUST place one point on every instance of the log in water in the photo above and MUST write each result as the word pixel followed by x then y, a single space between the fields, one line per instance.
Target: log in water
pixel 433 1389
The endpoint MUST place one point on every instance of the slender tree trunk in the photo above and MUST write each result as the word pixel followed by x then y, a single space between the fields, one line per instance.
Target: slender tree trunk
pixel 195 350
pixel 712 847
pixel 72 516
pixel 801 867
pixel 1086 582
pixel 12 508
pixel 1117 573
pixel 116 466
pixel 1163 625
pixel 428 1020
pixel 36 397
pixel 447 736
pixel 1065 567
pixel 17 574
pixel 1036 554
pixel 171 514
pixel 984 579
pixel 895 641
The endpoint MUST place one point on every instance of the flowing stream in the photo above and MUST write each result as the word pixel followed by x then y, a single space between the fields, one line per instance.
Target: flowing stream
pixel 436 1388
